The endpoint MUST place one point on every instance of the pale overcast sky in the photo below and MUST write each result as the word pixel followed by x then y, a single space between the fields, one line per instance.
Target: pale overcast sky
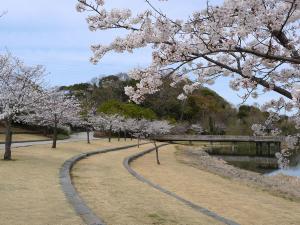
pixel 54 34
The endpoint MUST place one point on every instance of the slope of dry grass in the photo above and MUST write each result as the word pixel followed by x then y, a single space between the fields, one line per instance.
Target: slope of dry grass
pixel 231 199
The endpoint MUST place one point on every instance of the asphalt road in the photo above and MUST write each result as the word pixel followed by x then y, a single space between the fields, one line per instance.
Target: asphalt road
pixel 73 137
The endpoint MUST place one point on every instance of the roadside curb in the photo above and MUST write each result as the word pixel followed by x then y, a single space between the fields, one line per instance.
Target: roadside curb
pixel 128 160
pixel 71 194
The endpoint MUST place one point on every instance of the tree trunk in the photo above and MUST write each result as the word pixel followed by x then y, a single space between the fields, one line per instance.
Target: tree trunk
pixel 125 135
pixel 54 134
pixel 8 139
pixel 119 135
pixel 138 141
pixel 109 137
pixel 156 151
pixel 211 125
pixel 88 136
pixel 182 110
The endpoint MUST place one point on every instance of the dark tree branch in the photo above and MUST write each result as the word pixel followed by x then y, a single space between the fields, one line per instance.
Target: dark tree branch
pixel 258 80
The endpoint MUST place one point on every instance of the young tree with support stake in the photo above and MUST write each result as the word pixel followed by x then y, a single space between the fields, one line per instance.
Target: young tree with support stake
pixel 149 129
pixel 19 92
pixel 255 44
pixel 155 129
pixel 55 110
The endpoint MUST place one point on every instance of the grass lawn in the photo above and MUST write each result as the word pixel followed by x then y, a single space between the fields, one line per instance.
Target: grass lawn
pixel 30 191
pixel 120 199
pixel 228 198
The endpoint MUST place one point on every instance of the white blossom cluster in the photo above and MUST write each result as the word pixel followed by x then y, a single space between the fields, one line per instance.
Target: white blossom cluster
pixel 54 109
pixel 254 42
pixel 19 87
pixel 283 158
pixel 139 128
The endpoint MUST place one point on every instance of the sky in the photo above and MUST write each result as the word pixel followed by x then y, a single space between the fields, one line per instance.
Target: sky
pixel 53 34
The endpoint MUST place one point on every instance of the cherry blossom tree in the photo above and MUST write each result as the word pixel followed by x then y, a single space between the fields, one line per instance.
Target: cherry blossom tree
pixel 20 88
pixel 56 109
pixel 118 125
pixel 155 129
pixel 254 43
pixel 86 120
pixel 150 130
pixel 129 125
pixel 108 123
pixel 138 128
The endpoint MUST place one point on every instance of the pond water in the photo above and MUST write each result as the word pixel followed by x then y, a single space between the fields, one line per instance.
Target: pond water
pixel 244 156
pixel 292 171
pixel 253 164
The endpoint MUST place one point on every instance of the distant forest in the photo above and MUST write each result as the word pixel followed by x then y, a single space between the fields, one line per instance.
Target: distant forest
pixel 204 106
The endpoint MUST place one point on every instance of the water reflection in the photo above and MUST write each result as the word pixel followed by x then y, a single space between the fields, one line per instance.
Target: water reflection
pixel 292 171
pixel 244 156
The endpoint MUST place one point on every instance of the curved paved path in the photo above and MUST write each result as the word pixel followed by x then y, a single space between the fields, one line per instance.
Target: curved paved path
pixel 81 136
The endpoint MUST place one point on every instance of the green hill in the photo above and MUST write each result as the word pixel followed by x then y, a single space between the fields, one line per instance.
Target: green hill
pixel 204 106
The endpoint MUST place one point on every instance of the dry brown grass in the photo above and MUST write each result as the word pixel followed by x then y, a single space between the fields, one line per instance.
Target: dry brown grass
pixel 24 137
pixel 231 199
pixel 30 191
pixel 120 199
pixel 14 129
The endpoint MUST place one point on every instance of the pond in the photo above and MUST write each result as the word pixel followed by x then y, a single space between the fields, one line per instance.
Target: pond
pixel 243 155
pixel 293 170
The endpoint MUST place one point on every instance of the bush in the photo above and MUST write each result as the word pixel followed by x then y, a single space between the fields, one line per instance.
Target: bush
pixel 130 110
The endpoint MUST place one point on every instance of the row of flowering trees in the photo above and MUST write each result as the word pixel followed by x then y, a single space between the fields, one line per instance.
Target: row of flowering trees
pixel 138 128
pixel 24 98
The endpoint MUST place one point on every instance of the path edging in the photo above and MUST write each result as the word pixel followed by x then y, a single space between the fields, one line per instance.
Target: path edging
pixel 81 208
pixel 130 159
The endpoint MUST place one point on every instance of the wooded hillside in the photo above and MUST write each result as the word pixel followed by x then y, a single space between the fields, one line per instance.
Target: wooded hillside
pixel 204 106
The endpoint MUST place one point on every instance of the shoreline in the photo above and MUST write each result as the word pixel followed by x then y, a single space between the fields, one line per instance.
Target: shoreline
pixel 279 185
